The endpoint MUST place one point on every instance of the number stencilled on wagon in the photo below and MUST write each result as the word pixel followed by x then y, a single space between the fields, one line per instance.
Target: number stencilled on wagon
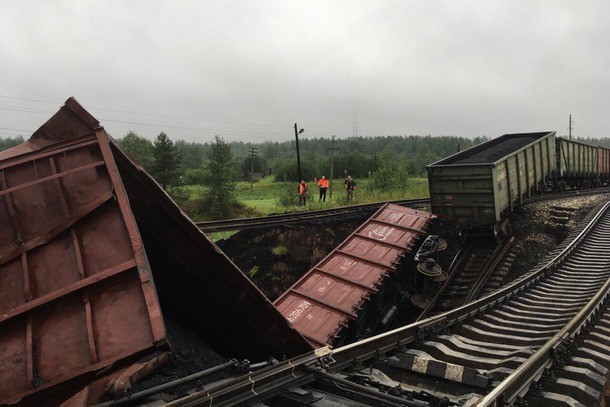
pixel 296 313
pixel 347 264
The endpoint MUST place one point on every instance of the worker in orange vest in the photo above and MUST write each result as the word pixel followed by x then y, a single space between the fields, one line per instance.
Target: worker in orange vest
pixel 323 184
pixel 302 193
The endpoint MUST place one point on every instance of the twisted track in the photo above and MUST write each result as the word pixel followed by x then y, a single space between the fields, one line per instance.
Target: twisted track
pixel 489 352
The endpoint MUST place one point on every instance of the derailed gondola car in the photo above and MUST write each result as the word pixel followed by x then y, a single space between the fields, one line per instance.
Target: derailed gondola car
pixel 358 288
pixel 83 233
pixel 479 187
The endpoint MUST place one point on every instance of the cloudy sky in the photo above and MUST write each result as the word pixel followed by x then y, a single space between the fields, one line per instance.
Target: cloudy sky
pixel 248 70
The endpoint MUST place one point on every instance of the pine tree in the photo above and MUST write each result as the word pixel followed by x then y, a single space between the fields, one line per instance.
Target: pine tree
pixel 167 166
pixel 220 173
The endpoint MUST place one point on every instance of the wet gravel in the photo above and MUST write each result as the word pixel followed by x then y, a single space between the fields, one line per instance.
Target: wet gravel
pixel 539 227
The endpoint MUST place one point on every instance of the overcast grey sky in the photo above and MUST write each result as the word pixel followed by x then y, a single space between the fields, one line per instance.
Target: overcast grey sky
pixel 247 70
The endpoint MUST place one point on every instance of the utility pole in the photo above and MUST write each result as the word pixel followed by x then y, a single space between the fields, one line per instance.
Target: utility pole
pixel 252 155
pixel 570 128
pixel 332 157
pixel 296 135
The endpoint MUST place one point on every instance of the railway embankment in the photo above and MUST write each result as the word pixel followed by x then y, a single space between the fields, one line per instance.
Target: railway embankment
pixel 276 257
pixel 539 227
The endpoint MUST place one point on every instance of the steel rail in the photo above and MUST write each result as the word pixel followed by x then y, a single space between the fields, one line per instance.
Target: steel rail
pixel 299 371
pixel 262 384
pixel 327 214
pixel 130 399
pixel 518 382
pixel 491 264
pixel 455 265
pixel 299 217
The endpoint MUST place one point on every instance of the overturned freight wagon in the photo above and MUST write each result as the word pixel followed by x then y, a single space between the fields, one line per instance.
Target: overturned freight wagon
pixel 83 233
pixel 480 186
pixel 357 289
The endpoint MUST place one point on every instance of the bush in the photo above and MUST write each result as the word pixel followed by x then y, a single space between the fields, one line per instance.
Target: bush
pixel 288 195
pixel 390 177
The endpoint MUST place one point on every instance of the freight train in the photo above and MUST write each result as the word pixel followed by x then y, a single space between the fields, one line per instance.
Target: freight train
pixel 480 187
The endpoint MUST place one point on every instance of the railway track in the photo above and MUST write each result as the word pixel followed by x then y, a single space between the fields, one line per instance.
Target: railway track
pixel 543 339
pixel 478 269
pixel 319 216
pixel 321 374
pixel 356 211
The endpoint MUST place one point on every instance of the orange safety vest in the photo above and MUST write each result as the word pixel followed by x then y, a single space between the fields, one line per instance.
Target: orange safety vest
pixel 302 189
pixel 323 183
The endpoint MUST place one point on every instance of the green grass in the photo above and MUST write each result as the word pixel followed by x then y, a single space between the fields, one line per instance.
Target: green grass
pixel 265 194
pixel 216 236
pixel 266 202
pixel 265 206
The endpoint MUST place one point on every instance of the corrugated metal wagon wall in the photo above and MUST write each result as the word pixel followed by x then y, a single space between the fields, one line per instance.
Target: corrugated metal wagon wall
pixel 76 293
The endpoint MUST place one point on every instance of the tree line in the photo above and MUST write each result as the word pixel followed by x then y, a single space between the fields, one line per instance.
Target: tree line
pixel 217 165
pixel 357 155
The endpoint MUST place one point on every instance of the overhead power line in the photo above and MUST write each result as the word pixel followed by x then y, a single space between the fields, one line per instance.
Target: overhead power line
pixel 169 126
pixel 148 114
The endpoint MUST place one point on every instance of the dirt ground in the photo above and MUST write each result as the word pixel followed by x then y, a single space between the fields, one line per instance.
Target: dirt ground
pixel 276 258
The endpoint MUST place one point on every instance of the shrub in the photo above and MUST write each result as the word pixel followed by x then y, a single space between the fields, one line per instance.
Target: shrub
pixel 288 195
pixel 390 177
pixel 279 251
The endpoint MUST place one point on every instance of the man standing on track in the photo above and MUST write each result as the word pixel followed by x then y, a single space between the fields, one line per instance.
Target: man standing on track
pixel 350 185
pixel 323 184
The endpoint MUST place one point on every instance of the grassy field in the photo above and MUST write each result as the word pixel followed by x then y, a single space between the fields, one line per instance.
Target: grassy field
pixel 265 195
pixel 264 198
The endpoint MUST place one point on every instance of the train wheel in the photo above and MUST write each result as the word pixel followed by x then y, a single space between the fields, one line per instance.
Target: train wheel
pixel 542 186
pixel 506 229
pixel 562 186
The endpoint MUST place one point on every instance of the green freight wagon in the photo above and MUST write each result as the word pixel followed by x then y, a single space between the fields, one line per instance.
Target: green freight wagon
pixel 479 187
pixel 577 164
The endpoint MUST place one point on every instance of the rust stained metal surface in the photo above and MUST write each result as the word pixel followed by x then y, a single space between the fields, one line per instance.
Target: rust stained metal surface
pixel 77 297
pixel 198 285
pixel 323 301
pixel 76 293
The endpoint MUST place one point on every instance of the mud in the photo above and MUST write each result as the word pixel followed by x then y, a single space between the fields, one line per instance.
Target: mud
pixel 276 258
